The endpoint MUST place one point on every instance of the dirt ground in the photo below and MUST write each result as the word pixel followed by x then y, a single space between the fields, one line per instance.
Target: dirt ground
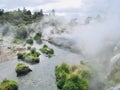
pixel 6 55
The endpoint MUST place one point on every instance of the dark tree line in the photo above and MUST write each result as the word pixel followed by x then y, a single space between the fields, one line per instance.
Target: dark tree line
pixel 1 11
pixel 17 17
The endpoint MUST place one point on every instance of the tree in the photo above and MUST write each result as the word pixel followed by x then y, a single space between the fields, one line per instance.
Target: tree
pixel 19 10
pixel 41 12
pixel 38 14
pixel 28 12
pixel 1 11
pixel 24 10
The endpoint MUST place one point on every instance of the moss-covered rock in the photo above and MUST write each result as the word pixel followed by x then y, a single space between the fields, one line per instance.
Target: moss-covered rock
pixel 8 85
pixel 30 57
pixel 72 78
pixel 49 52
pixel 35 59
pixel 20 55
pixel 29 41
pixel 22 69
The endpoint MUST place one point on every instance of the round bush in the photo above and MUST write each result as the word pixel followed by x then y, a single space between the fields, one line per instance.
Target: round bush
pixel 8 85
pixel 71 86
pixel 29 41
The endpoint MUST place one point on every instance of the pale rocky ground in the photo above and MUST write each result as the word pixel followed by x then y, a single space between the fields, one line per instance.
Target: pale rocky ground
pixel 8 53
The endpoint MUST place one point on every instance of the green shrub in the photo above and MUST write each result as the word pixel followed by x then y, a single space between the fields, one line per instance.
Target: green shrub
pixel 74 67
pixel 61 74
pixel 58 70
pixel 19 66
pixel 49 52
pixel 43 50
pixel 31 57
pixel 27 58
pixel 61 80
pixel 20 55
pixel 29 47
pixel 17 41
pixel 35 59
pixel 37 37
pixel 85 73
pixel 83 84
pixel 80 84
pixel 33 50
pixel 64 68
pixel 8 85
pixel 29 41
pixel 70 86
pixel 72 78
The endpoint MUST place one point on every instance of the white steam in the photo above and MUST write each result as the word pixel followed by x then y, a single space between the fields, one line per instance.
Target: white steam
pixel 97 38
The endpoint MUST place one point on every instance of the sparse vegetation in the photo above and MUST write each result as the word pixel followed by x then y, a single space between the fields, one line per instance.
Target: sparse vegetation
pixel 29 41
pixel 72 78
pixel 17 41
pixel 31 57
pixel 21 55
pixel 37 37
pixel 8 85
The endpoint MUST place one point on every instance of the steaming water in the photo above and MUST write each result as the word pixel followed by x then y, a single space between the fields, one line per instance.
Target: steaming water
pixel 42 77
pixel 115 88
pixel 97 43
pixel 98 47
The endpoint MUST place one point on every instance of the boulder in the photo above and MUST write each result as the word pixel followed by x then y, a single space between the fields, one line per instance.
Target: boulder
pixel 22 69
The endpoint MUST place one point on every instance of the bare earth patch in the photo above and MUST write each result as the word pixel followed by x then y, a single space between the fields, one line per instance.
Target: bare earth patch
pixel 7 54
